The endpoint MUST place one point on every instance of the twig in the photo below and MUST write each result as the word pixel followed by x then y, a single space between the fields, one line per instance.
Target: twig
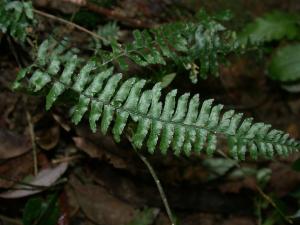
pixel 50 16
pixel 270 200
pixel 159 187
pixel 261 192
pixel 13 50
pixel 32 136
pixel 66 159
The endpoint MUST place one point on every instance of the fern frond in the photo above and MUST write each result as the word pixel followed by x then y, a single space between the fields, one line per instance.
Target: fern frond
pixel 180 123
pixel 15 18
pixel 110 32
pixel 186 44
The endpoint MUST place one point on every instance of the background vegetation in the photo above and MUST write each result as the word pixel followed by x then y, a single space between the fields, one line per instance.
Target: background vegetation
pixel 122 76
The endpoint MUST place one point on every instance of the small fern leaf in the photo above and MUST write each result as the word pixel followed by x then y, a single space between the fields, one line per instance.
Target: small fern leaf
pixel 178 117
pixel 105 97
pixel 168 130
pixel 211 144
pixel 190 119
pixel 60 86
pixel 200 140
pixel 39 80
pixel 203 117
pixel 83 77
pixel 143 125
pixel 154 114
pixel 131 103
pixel 80 109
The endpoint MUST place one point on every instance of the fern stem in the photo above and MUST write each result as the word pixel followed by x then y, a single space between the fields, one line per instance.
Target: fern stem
pixel 159 187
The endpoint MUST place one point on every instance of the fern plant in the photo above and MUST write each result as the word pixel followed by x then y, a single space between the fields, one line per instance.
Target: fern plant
pixel 273 26
pixel 15 18
pixel 204 43
pixel 281 27
pixel 179 123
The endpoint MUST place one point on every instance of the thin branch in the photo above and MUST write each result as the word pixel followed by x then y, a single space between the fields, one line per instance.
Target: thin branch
pixel 32 136
pixel 13 50
pixel 270 200
pixel 159 187
pixel 61 20
pixel 66 159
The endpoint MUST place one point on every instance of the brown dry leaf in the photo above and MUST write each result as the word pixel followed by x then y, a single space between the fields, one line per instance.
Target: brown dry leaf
pixel 62 122
pixel 12 144
pixel 45 178
pixel 97 152
pixel 48 138
pixel 100 206
pixel 293 130
pixel 9 169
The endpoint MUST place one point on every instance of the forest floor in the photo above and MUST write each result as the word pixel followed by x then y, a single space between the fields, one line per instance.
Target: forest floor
pixel 96 181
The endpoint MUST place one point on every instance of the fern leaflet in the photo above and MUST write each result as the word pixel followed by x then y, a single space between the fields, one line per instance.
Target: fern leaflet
pixel 15 18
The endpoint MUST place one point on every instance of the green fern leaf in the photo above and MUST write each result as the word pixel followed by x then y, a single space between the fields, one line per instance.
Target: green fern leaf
pixel 178 123
pixel 285 64
pixel 272 26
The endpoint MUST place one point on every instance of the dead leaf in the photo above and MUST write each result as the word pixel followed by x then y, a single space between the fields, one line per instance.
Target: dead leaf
pixel 62 122
pixel 293 130
pixel 12 144
pixel 97 152
pixel 48 138
pixel 9 169
pixel 100 206
pixel 45 178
